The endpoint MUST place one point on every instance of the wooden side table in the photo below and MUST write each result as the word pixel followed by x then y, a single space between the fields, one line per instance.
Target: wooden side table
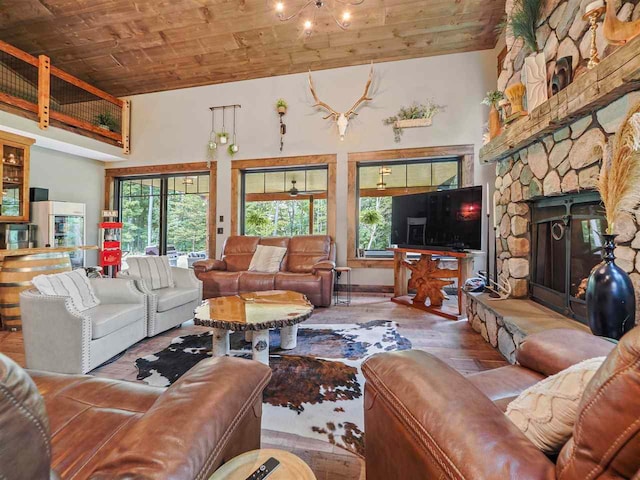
pixel 239 468
pixel 337 300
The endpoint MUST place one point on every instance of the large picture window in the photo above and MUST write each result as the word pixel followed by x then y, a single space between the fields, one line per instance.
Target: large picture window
pixel 165 215
pixel 379 182
pixel 284 202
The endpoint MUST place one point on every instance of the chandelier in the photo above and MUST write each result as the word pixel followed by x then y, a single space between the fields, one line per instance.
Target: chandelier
pixel 310 22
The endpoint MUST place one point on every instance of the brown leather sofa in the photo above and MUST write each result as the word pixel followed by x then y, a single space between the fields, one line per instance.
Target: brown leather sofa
pixel 308 268
pixel 80 427
pixel 424 420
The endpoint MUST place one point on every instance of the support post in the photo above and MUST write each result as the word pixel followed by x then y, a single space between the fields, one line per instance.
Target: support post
pixel 44 90
pixel 126 126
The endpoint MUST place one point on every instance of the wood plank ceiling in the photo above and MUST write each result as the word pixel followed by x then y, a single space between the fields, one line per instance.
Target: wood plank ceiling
pixel 136 46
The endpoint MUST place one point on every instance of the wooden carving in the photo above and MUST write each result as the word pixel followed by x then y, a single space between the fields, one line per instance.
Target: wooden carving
pixel 562 75
pixel 427 279
pixel 616 31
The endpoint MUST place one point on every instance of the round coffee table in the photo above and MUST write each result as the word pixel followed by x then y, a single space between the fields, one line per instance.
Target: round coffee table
pixel 254 313
pixel 239 468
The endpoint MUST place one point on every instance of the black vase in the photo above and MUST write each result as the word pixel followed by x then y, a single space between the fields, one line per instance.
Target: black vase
pixel 611 301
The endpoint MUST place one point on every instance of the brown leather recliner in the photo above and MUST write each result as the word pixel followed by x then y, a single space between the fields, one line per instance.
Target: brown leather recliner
pixel 308 268
pixel 424 420
pixel 80 427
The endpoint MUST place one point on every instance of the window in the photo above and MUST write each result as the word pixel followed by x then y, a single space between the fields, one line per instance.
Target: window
pixel 165 215
pixel 284 202
pixel 379 182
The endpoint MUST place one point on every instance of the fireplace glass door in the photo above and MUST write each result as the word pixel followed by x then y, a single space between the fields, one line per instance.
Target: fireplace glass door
pixel 567 244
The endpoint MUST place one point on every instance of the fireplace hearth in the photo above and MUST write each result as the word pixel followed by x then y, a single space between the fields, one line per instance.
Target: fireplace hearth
pixel 566 234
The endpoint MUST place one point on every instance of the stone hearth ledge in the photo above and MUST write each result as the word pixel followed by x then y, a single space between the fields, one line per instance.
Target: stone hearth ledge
pixel 505 323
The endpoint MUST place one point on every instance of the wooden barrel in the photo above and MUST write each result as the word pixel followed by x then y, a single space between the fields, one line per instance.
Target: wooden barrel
pixel 15 276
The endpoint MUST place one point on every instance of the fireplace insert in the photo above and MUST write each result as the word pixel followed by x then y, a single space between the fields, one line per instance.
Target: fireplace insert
pixel 566 245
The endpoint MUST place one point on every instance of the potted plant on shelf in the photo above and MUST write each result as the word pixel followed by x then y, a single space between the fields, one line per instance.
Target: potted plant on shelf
pixel 223 137
pixel 492 100
pixel 281 106
pixel 106 121
pixel 416 115
pixel 611 301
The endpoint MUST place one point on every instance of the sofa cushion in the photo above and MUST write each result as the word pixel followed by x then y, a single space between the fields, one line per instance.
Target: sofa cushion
pixel 106 319
pixel 305 283
pixel 74 285
pixel 504 384
pixel 546 411
pixel 238 252
pixel 256 282
pixel 170 298
pixel 307 250
pixel 267 259
pixel 156 271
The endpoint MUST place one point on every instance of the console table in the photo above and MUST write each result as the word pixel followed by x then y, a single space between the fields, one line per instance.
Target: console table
pixel 428 279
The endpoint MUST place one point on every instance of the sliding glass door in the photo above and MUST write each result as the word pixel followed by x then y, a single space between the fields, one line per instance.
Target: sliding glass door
pixel 165 215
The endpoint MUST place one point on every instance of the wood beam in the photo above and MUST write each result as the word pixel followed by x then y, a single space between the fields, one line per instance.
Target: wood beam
pixel 44 90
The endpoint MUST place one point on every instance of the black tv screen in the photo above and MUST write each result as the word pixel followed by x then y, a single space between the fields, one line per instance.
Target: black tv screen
pixel 446 220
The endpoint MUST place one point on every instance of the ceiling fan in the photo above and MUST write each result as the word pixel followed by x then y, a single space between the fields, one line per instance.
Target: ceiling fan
pixel 294 192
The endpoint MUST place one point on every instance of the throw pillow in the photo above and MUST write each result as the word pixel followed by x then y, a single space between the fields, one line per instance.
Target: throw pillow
pixel 74 285
pixel 267 259
pixel 546 412
pixel 156 271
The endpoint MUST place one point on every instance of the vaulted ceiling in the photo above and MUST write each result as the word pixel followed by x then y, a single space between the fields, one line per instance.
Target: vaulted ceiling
pixel 136 46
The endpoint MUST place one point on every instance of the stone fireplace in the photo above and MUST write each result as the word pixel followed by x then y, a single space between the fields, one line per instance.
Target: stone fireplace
pixel 547 213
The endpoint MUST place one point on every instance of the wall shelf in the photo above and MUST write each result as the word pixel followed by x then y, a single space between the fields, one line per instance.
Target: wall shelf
pixel 615 76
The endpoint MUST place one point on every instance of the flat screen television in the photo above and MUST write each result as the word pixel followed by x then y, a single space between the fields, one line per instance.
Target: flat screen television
pixel 444 220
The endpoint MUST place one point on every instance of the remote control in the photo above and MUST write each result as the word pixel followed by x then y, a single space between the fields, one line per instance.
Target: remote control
pixel 264 470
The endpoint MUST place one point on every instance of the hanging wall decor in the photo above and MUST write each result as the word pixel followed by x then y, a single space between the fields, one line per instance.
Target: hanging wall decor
pixel 534 75
pixel 342 119
pixel 281 108
pixel 562 75
pixel 416 115
pixel 222 136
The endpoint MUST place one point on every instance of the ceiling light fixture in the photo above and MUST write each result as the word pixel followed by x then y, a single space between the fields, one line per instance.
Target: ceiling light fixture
pixel 343 22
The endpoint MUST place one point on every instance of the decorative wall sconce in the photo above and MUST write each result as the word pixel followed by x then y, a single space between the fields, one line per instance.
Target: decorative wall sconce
pixel 281 108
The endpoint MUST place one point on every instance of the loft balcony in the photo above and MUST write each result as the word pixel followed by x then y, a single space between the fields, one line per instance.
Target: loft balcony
pixel 34 88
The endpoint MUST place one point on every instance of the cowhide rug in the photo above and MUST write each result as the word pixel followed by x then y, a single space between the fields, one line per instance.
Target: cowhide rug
pixel 317 388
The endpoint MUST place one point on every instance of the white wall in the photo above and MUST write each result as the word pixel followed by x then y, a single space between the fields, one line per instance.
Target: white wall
pixel 174 126
pixel 71 179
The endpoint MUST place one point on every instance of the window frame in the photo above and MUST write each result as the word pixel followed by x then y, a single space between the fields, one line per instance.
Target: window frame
pixel 111 195
pixel 243 193
pixel 279 163
pixel 464 154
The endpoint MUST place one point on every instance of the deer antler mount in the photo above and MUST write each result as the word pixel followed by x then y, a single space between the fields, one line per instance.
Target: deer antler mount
pixel 341 119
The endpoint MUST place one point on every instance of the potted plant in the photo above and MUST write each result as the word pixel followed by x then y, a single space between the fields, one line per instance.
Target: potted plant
pixel 223 137
pixel 281 106
pixel 492 99
pixel 233 149
pixel 106 121
pixel 416 115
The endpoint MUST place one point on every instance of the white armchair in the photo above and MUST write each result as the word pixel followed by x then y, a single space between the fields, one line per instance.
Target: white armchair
pixel 171 306
pixel 58 338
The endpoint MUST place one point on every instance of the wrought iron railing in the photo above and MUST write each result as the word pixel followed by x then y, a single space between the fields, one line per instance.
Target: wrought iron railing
pixel 50 95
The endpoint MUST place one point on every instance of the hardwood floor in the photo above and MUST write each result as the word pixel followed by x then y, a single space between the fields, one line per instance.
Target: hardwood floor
pixel 453 342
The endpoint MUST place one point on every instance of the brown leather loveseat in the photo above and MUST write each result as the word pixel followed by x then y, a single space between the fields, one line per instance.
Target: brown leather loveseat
pixel 424 420
pixel 307 268
pixel 82 427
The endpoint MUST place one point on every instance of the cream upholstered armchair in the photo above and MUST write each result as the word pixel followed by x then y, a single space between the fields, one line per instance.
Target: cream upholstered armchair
pixel 59 338
pixel 172 293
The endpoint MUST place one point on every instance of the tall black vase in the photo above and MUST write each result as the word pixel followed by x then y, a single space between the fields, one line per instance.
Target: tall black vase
pixel 611 301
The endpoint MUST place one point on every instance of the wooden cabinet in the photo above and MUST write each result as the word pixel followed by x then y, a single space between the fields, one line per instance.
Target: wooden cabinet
pixel 14 171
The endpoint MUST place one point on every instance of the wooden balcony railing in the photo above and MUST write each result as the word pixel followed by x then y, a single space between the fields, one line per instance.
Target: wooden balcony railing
pixel 49 95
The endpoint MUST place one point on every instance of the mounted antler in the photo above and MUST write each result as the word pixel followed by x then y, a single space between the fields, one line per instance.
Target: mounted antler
pixel 332 112
pixel 363 98
pixel 341 119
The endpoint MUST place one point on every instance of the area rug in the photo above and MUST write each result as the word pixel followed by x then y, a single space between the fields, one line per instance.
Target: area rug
pixel 317 389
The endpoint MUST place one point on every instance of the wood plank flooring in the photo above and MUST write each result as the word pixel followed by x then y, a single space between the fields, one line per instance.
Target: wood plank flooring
pixel 453 342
